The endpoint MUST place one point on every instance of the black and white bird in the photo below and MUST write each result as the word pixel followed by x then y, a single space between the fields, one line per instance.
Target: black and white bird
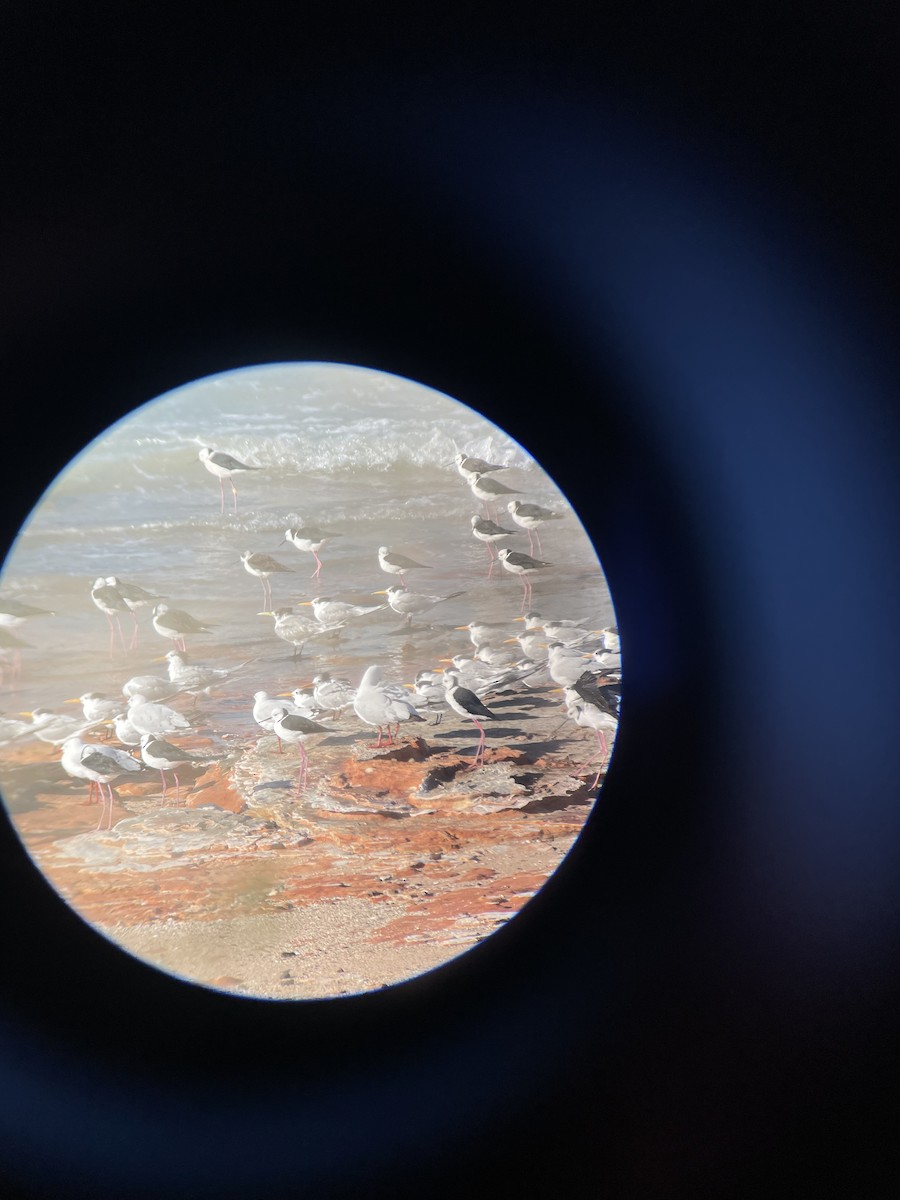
pixel 397 564
pixel 262 566
pixel 489 491
pixel 99 766
pixel 111 603
pixel 297 729
pixel 530 516
pixel 311 539
pixel 382 704
pixel 408 604
pixel 469 466
pixel 264 709
pixel 135 597
pixel 15 612
pixel 464 701
pixel 175 624
pixel 596 717
pixel 490 532
pixel 162 756
pixel 292 628
pixel 522 565
pixel 224 466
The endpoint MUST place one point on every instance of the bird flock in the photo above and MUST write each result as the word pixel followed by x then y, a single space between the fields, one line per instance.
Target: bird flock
pixel 551 655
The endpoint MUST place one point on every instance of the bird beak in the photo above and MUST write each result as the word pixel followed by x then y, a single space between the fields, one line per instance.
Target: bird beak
pixel 304 603
pixel 506 641
pixel 381 593
pixel 460 627
pixel 74 700
pixel 26 714
pixel 284 695
pixel 265 614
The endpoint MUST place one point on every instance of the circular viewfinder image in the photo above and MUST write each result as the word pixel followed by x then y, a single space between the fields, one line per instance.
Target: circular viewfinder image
pixel 310 678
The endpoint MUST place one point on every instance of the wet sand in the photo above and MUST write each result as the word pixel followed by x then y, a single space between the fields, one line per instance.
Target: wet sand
pixel 391 862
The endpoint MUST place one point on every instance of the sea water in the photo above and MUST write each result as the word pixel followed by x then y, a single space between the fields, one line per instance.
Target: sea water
pixel 365 454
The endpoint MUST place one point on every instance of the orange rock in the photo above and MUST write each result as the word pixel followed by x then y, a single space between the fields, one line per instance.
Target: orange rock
pixel 213 788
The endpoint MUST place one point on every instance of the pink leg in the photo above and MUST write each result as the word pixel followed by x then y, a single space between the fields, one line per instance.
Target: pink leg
pixel 234 491
pixel 112 634
pixel 177 788
pixel 479 753
pixel 530 544
pixel 537 538
pixel 162 775
pixel 378 743
pixel 301 774
pixel 221 495
pixel 121 635
pixel 102 807
pixel 134 636
pixel 315 574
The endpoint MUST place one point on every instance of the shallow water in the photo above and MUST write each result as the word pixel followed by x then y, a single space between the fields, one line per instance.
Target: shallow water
pixel 366 455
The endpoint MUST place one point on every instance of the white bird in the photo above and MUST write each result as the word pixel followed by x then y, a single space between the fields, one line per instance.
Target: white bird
pixel 162 756
pixel 483 633
pixel 303 703
pixel 297 729
pixel 54 729
pixel 311 539
pixel 522 565
pixel 99 766
pixel 125 731
pixel 292 628
pixel 465 702
pixel 396 564
pixel 147 716
pixel 407 604
pixel 530 516
pixel 382 705
pixel 332 695
pixel 151 687
pixel 428 688
pixel 532 643
pixel 262 566
pixel 489 490
pixel 175 624
pixel 334 614
pixel 192 677
pixel 565 663
pixel 494 656
pixel 224 466
pixel 97 707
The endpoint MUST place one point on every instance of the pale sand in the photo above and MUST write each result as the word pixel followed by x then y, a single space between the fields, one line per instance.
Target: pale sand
pixel 326 948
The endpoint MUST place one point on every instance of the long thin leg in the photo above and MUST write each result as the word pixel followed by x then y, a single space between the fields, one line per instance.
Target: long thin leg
pixel 134 635
pixel 377 745
pixel 121 635
pixel 112 634
pixel 222 495
pixel 102 807
pixel 537 538
pixel 163 777
pixel 315 574
pixel 530 543
pixel 479 753
pixel 177 788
